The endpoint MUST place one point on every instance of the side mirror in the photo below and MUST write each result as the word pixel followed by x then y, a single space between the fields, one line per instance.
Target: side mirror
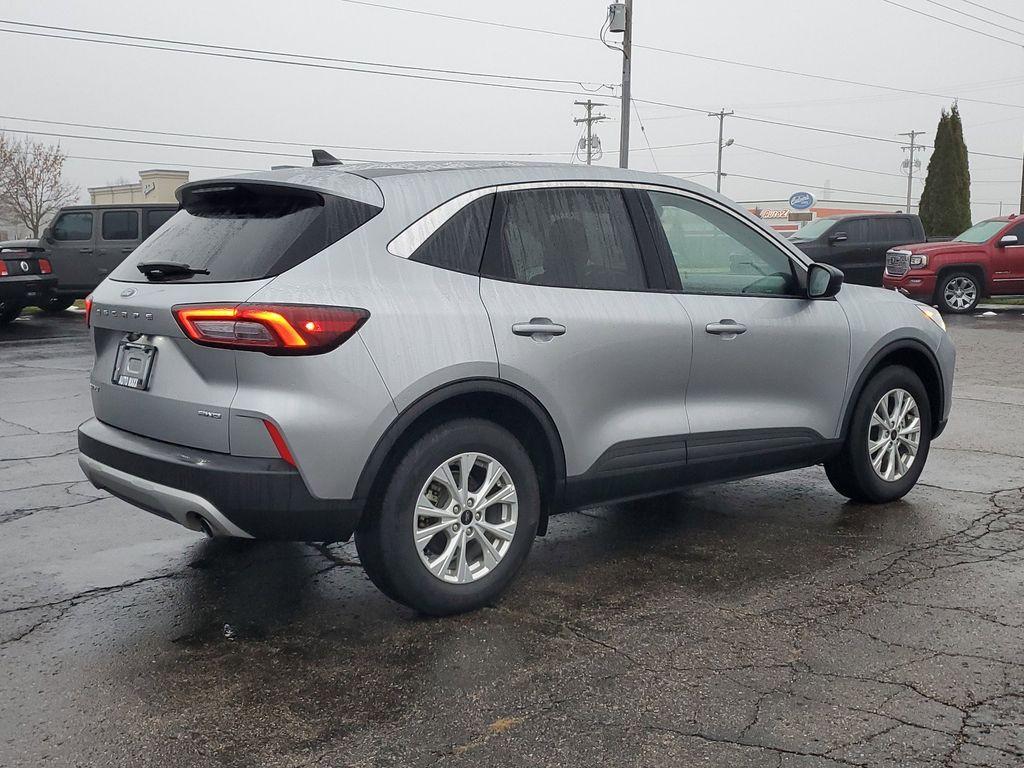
pixel 823 281
pixel 838 237
pixel 1006 240
pixel 48 234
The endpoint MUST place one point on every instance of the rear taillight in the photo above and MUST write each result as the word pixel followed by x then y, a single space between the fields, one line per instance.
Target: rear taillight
pixel 3 269
pixel 276 329
pixel 44 267
pixel 88 310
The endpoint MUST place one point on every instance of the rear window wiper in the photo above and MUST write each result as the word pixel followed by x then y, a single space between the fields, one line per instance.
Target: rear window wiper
pixel 165 270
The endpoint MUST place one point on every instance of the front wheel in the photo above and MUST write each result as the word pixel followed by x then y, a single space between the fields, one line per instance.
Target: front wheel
pixel 888 439
pixel 456 521
pixel 959 293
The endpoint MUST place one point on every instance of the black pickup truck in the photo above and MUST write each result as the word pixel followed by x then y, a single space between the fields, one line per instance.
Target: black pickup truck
pixel 856 243
pixel 26 278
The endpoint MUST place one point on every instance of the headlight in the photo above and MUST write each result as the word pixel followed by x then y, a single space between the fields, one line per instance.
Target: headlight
pixel 918 260
pixel 932 314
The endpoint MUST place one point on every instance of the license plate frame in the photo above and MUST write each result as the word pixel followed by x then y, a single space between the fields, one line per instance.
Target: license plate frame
pixel 133 366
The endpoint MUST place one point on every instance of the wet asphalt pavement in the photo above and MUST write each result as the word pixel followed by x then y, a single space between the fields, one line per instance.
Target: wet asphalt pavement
pixel 760 623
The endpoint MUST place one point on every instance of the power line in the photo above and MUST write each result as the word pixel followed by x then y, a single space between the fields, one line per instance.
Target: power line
pixel 160 163
pixel 818 162
pixel 952 23
pixel 313 57
pixel 801 184
pixel 832 131
pixel 970 15
pixel 327 144
pixel 688 54
pixel 992 10
pixel 308 64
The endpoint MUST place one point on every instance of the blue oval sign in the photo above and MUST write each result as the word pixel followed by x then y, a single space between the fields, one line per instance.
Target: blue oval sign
pixel 801 201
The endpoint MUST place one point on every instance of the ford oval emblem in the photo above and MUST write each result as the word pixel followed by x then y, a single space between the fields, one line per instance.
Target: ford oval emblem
pixel 24 266
pixel 801 201
pixel 127 292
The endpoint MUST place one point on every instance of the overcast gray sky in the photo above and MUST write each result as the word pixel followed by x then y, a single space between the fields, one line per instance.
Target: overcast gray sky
pixel 867 40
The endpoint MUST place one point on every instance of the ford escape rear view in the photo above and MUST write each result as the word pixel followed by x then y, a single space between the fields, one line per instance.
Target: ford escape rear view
pixel 434 358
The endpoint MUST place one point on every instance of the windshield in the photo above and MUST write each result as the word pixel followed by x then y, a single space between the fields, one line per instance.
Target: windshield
pixel 980 232
pixel 813 230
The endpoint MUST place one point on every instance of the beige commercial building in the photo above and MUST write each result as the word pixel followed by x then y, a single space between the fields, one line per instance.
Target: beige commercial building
pixel 155 186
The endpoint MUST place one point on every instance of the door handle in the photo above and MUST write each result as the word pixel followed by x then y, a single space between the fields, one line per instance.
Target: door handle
pixel 538 326
pixel 725 328
pixel 127 250
pixel 85 250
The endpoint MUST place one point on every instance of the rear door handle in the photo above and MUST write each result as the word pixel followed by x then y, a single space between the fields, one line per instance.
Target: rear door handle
pixel 725 328
pixel 127 250
pixel 85 250
pixel 538 326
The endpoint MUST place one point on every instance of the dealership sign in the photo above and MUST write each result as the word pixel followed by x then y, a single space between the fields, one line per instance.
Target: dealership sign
pixel 801 201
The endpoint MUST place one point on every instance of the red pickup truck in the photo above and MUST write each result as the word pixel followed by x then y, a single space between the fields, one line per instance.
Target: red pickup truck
pixel 986 260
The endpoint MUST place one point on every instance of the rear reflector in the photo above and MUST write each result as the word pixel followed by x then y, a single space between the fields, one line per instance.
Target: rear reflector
pixel 88 310
pixel 276 329
pixel 279 443
pixel 44 267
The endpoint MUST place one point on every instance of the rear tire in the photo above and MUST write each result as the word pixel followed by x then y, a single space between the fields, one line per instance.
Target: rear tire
pixel 56 304
pixel 9 312
pixel 879 461
pixel 958 293
pixel 483 526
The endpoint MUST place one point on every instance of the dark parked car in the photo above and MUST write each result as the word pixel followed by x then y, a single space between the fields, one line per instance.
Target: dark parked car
pixel 857 243
pixel 85 242
pixel 26 278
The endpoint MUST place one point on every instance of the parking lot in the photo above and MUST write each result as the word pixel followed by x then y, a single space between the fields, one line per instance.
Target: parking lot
pixel 760 623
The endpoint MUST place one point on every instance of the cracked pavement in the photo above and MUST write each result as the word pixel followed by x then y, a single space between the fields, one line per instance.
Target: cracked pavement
pixel 760 623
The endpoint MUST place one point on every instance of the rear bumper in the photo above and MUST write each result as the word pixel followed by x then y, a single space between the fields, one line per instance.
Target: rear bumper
pixel 229 495
pixel 26 289
pixel 916 285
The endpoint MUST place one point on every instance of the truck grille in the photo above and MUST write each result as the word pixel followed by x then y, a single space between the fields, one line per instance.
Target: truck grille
pixel 897 263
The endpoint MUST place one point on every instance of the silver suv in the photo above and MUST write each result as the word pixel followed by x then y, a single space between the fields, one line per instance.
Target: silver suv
pixel 437 357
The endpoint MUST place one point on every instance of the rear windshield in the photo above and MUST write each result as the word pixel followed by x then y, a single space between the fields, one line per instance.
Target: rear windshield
pixel 246 232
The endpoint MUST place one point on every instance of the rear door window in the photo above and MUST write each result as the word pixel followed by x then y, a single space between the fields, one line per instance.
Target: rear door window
pixel 157 218
pixel 120 225
pixel 568 238
pixel 74 225
pixel 247 231
pixel 901 230
pixel 459 243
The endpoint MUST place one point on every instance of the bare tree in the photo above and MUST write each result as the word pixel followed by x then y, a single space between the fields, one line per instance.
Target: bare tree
pixel 32 187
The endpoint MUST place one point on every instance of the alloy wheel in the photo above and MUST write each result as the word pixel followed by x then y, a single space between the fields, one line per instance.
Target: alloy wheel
pixel 465 518
pixel 961 293
pixel 894 434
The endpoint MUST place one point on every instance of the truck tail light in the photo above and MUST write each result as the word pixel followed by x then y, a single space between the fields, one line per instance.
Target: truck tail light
pixel 88 310
pixel 3 269
pixel 276 329
pixel 45 267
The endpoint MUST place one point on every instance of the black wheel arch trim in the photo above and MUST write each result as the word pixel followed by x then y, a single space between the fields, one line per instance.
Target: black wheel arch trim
pixel 873 367
pixel 469 386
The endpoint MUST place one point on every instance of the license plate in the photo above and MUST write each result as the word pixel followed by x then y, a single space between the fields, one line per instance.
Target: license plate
pixel 134 365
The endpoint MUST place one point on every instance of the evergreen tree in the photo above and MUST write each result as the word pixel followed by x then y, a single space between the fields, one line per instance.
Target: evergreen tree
pixel 946 201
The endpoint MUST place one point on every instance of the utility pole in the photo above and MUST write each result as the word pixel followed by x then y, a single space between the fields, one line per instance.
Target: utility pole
pixel 721 135
pixel 1020 210
pixel 590 119
pixel 627 55
pixel 910 165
